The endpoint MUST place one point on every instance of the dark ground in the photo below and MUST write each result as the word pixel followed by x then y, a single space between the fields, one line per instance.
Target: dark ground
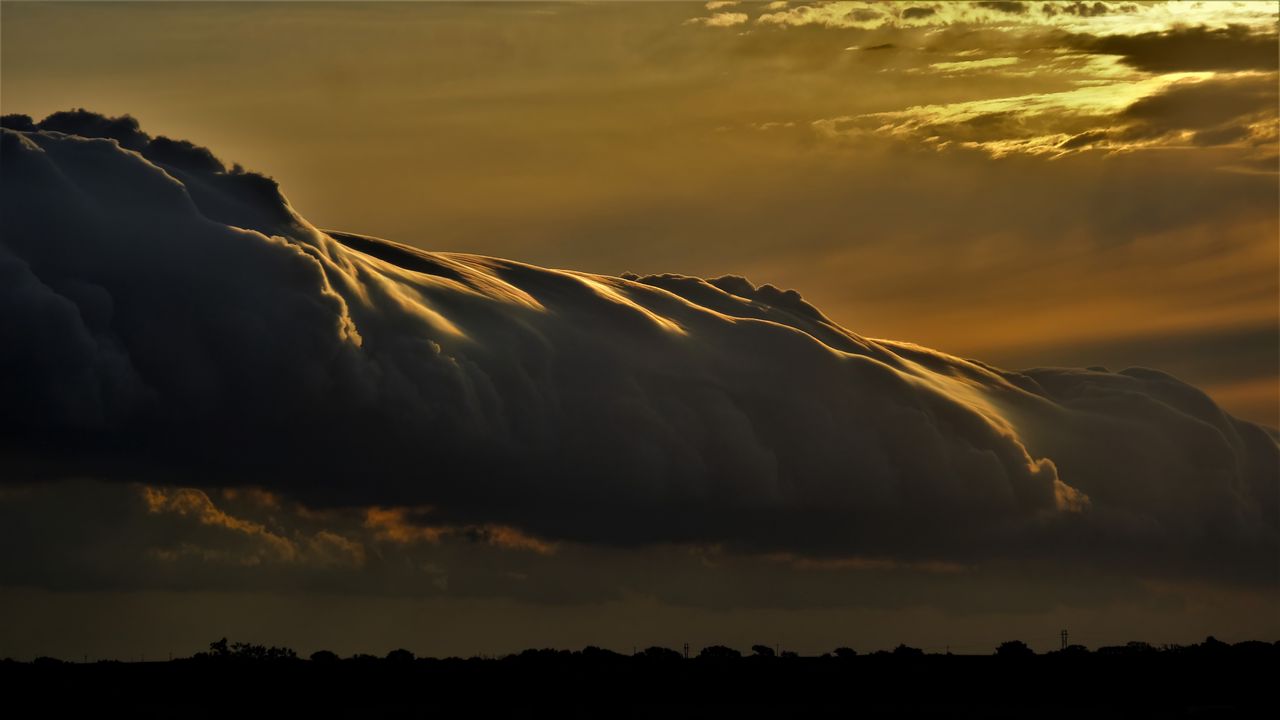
pixel 1200 681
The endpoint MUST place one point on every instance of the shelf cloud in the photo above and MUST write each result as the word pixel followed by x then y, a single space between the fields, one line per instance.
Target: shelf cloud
pixel 167 320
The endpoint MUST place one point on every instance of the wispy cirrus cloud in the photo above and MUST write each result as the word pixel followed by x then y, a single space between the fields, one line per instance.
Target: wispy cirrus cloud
pixel 1167 111
pixel 968 65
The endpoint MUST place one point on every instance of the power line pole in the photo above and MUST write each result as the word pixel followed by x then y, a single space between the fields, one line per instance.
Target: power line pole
pixel 686 651
pixel 1064 639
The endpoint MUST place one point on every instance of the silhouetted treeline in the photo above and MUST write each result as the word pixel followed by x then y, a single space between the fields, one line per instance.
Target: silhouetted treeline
pixel 1211 648
pixel 1211 677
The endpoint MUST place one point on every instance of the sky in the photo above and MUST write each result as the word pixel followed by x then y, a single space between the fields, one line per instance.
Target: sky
pixel 1027 185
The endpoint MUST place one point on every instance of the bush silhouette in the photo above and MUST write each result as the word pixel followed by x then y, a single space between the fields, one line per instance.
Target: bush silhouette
pixel 762 650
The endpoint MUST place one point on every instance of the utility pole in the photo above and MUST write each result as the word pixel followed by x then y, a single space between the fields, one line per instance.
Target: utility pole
pixel 686 651
pixel 1064 639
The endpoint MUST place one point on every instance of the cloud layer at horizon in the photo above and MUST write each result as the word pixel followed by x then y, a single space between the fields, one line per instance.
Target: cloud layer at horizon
pixel 171 321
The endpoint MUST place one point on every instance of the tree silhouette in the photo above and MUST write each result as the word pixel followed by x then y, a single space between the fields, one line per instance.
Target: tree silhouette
pixel 241 651
pixel 762 650
pixel 845 653
pixel 400 655
pixel 599 654
pixel 1213 644
pixel 1132 647
pixel 1014 649
pixel 662 654
pixel 324 656
pixel 719 652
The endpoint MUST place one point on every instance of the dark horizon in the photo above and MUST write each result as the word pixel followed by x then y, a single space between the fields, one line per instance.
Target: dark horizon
pixel 241 651
pixel 1210 678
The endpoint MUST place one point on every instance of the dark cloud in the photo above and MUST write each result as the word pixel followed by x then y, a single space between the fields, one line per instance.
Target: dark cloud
pixel 123 129
pixel 171 321
pixel 1083 140
pixel 1222 105
pixel 1188 49
pixel 18 122
pixel 1213 356
pixel 1083 9
pixel 1223 135
pixel 1013 8
pixel 1219 356
pixel 226 195
pixel 913 13
pixel 97 536
pixel 881 46
pixel 863 15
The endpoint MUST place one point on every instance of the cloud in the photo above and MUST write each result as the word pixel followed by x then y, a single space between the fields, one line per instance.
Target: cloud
pixel 1189 49
pixel 963 65
pixel 1084 9
pixel 1093 19
pixel 1207 107
pixel 396 525
pixel 194 503
pixel 723 19
pixel 170 321
pixel 1245 355
pixel 915 13
pixel 1161 112
pixel 1013 8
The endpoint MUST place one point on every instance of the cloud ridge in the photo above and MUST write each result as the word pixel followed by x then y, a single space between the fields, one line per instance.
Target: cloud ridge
pixel 170 320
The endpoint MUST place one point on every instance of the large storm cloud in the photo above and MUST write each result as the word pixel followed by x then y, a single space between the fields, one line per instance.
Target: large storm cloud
pixel 168 320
